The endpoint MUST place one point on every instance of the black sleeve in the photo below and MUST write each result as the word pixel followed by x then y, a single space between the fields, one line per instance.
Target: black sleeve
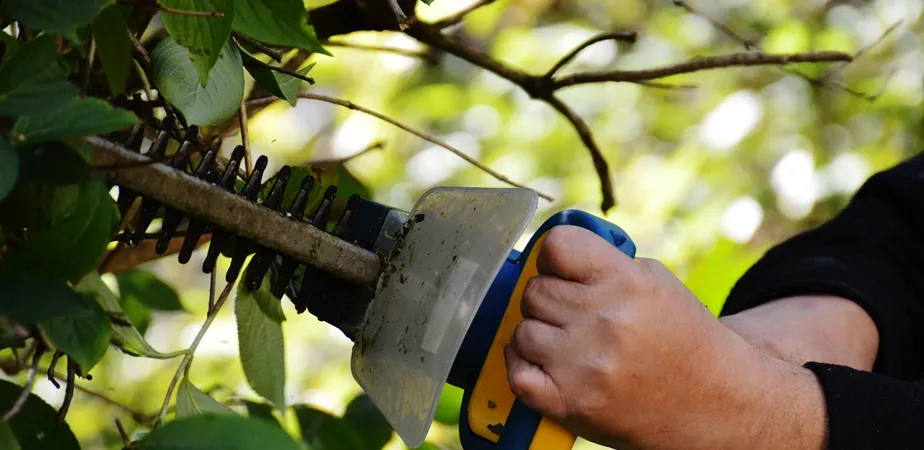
pixel 872 253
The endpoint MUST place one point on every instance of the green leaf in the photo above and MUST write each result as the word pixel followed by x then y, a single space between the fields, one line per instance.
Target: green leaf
pixel 81 220
pixel 364 415
pixel 30 298
pixel 176 77
pixel 149 290
pixel 9 47
pixel 277 22
pixel 51 15
pixel 31 81
pixel 137 313
pixel 449 406
pixel 262 411
pixel 8 440
pixel 190 401
pixel 269 304
pixel 208 432
pixel 78 118
pixel 9 167
pixel 125 336
pixel 83 337
pixel 36 425
pixel 261 348
pixel 203 37
pixel 53 163
pixel 113 46
pixel 281 85
pixel 323 431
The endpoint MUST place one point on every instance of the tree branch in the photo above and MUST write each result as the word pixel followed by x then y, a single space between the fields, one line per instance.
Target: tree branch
pixel 378 48
pixel 27 389
pixel 258 45
pixel 460 15
pixel 623 36
pixel 698 65
pixel 420 134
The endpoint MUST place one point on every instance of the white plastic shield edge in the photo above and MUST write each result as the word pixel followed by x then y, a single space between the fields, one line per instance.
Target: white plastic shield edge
pixel 448 299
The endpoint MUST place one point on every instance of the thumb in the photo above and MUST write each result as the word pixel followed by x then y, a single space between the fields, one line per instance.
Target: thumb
pixel 533 386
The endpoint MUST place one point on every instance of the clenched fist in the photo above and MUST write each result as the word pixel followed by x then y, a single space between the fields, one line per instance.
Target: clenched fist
pixel 620 352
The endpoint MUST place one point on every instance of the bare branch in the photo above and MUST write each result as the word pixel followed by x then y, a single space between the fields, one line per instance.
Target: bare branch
pixel 51 368
pixel 126 441
pixel 288 72
pixel 835 70
pixel 68 390
pixel 420 134
pixel 245 138
pixel 403 20
pixel 88 69
pixel 27 389
pixel 258 45
pixel 326 163
pixel 699 64
pixel 460 15
pixel 379 48
pixel 630 36
pixel 747 43
pixel 600 165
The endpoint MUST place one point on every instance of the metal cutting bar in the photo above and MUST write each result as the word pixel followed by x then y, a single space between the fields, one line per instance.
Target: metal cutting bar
pixel 236 214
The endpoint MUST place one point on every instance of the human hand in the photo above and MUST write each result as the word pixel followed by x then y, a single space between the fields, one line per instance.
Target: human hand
pixel 621 353
pixel 824 329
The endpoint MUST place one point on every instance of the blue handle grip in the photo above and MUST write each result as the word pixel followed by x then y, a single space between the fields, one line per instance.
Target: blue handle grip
pixel 522 422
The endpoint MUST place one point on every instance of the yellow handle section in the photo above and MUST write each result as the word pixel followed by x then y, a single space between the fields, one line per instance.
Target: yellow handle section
pixel 492 399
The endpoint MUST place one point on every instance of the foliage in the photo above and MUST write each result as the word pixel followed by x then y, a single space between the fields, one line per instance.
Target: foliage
pixel 706 178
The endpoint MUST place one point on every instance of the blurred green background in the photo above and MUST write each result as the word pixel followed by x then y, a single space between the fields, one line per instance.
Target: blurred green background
pixel 706 179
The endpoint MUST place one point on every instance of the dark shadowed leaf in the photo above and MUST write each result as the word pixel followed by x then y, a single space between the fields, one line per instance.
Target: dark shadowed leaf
pixel 176 77
pixel 138 314
pixel 124 335
pixel 113 46
pixel 148 289
pixel 77 118
pixel 261 348
pixel 261 410
pixel 203 36
pixel 279 84
pixel 83 337
pixel 277 22
pixel 36 426
pixel 51 15
pixel 363 415
pixel 8 440
pixel 9 167
pixel 322 430
pixel 82 218
pixel 53 163
pixel 191 401
pixel 31 81
pixel 30 298
pixel 225 432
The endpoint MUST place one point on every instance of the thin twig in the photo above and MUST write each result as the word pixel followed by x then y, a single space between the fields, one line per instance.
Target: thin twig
pixel 137 416
pixel 324 163
pixel 747 43
pixel 259 45
pixel 91 55
pixel 629 36
pixel 403 20
pixel 860 53
pixel 27 389
pixel 420 134
pixel 51 368
pixel 126 441
pixel 460 15
pixel 184 12
pixel 184 364
pixel 68 390
pixel 213 281
pixel 290 73
pixel 698 65
pixel 145 58
pixel 245 138
pixel 381 48
pixel 600 165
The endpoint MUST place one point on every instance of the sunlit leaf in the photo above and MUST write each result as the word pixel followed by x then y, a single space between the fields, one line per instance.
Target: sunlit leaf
pixel 113 46
pixel 208 432
pixel 148 289
pixel 261 348
pixel 124 335
pixel 277 22
pixel 191 401
pixel 36 425
pixel 449 406
pixel 9 167
pixel 77 118
pixel 281 85
pixel 203 36
pixel 51 15
pixel 365 416
pixel 83 337
pixel 81 220
pixel 323 430
pixel 178 81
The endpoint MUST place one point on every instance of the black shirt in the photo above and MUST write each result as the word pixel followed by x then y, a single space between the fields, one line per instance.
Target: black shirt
pixel 872 253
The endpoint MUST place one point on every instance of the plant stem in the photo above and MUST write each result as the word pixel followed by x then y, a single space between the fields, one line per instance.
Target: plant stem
pixel 184 364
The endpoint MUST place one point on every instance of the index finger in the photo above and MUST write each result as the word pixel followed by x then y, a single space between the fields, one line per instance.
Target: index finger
pixel 578 254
